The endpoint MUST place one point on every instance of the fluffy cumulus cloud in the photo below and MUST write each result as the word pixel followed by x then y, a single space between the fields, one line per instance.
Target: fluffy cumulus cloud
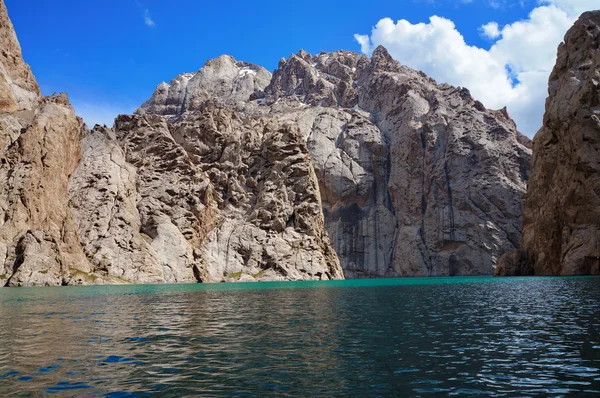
pixel 490 30
pixel 513 72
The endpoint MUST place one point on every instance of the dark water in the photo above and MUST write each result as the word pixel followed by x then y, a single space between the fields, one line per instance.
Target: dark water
pixel 412 337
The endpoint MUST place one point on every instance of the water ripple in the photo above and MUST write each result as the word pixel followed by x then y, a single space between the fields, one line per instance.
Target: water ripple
pixel 443 336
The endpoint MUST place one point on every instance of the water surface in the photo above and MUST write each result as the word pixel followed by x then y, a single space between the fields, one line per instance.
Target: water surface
pixel 391 337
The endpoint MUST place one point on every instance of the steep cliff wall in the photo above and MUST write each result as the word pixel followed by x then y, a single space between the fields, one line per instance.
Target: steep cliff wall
pixel 211 196
pixel 18 88
pixel 207 197
pixel 415 178
pixel 337 164
pixel 561 227
pixel 39 149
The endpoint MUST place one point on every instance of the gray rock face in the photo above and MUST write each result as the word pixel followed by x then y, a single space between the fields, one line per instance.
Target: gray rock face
pixel 326 79
pixel 104 201
pixel 561 227
pixel 457 171
pixel 221 78
pixel 418 178
pixel 336 165
pixel 272 223
pixel 350 156
pixel 18 88
pixel 207 197
pixel 415 178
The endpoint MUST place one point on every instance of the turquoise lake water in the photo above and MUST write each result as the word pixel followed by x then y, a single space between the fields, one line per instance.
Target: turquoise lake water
pixel 388 337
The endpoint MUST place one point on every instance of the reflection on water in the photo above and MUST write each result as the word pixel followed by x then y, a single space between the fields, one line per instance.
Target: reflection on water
pixel 417 337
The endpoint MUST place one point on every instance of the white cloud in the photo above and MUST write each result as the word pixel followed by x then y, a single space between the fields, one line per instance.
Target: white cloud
pixel 146 15
pixel 94 113
pixel 490 30
pixel 148 19
pixel 573 7
pixel 513 72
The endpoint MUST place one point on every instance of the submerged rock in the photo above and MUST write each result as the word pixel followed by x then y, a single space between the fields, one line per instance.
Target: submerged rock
pixel 561 227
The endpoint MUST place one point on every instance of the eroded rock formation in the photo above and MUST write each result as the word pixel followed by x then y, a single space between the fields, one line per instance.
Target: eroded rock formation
pixel 222 78
pixel 415 178
pixel 561 227
pixel 39 149
pixel 336 165
pixel 210 196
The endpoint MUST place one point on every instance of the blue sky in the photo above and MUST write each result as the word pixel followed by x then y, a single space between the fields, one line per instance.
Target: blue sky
pixel 109 55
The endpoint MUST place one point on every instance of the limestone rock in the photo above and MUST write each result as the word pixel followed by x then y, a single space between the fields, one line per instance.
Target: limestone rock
pixel 457 171
pixel 174 195
pixel 336 165
pixel 103 197
pixel 350 157
pixel 223 78
pixel 18 88
pixel 561 226
pixel 272 225
pixel 325 80
pixel 415 178
pixel 39 149
pixel 209 196
pixel 38 240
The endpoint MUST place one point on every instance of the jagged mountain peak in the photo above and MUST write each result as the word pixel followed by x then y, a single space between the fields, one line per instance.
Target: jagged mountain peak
pixel 222 78
pixel 376 130
pixel 349 163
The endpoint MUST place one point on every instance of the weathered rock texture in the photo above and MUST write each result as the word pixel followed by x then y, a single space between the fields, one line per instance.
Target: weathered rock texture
pixel 457 171
pixel 222 78
pixel 338 164
pixel 39 149
pixel 18 88
pixel 561 228
pixel 208 197
pixel 415 178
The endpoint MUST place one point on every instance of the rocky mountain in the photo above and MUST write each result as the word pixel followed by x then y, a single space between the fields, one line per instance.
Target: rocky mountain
pixel 561 230
pixel 337 165
pixel 204 198
pixel 415 178
pixel 222 78
pixel 39 149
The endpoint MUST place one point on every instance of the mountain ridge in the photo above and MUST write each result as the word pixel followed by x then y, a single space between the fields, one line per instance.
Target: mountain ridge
pixel 336 165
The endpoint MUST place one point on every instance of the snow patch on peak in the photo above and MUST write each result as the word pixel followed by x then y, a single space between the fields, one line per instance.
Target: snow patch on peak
pixel 246 71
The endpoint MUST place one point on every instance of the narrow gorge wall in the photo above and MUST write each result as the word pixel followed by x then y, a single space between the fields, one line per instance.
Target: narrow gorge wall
pixel 561 229
pixel 39 149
